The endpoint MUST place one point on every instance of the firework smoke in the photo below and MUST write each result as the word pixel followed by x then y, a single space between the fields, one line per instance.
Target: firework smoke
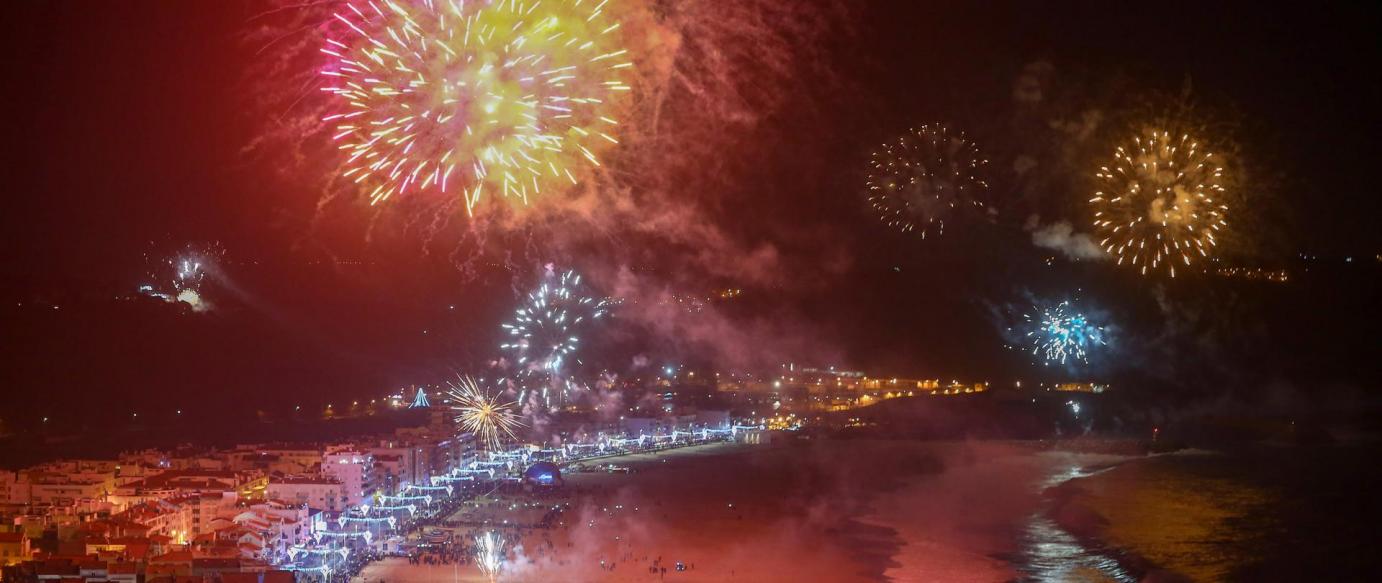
pixel 1061 236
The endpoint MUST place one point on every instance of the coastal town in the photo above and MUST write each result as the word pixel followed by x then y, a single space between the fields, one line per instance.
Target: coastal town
pixel 274 511
pixel 420 494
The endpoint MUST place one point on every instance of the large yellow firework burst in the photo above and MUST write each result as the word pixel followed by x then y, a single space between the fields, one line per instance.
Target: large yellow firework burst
pixel 920 179
pixel 488 418
pixel 512 97
pixel 1159 203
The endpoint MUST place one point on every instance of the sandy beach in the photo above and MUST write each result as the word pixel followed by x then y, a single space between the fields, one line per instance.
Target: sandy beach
pixel 727 512
pixel 840 511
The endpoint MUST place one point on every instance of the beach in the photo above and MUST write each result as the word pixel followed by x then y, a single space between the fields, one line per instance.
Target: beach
pixel 905 511
pixel 727 512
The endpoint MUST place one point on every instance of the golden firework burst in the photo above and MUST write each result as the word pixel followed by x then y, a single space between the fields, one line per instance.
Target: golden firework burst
pixel 1160 202
pixel 472 97
pixel 490 419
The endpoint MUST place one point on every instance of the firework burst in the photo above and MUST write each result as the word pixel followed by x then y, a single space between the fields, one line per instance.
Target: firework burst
pixel 489 554
pixel 544 332
pixel 490 419
pixel 181 277
pixel 1159 203
pixel 1062 333
pixel 923 177
pixel 464 98
pixel 703 74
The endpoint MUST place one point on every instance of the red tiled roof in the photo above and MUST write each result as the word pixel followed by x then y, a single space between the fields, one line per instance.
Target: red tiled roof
pixel 221 551
pixel 173 557
pixel 118 568
pixel 177 579
pixel 192 479
pixel 65 559
pixel 155 569
pixel 233 529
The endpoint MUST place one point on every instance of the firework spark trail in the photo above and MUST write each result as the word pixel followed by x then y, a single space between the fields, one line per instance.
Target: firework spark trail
pixel 544 331
pixel 1159 202
pixel 1061 332
pixel 489 554
pixel 918 180
pixel 490 419
pixel 450 96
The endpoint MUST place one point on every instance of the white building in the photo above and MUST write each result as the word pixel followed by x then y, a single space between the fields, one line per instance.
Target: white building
pixel 354 470
pixel 321 493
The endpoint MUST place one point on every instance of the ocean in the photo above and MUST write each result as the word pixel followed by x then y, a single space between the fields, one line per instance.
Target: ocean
pixel 1005 512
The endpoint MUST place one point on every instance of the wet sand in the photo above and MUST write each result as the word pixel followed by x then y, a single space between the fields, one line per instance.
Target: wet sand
pixel 1253 515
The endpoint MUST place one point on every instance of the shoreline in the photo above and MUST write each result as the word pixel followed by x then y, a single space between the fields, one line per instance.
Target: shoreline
pixel 988 512
pixel 1076 508
pixel 838 510
pixel 1089 527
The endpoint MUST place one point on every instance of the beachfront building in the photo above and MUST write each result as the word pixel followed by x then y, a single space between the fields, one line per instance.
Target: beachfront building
pixel 354 470
pixel 317 492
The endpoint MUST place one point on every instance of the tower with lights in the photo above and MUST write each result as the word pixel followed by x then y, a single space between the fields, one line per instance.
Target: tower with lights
pixel 420 400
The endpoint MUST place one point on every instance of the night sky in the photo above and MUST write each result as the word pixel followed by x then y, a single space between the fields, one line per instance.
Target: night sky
pixel 132 131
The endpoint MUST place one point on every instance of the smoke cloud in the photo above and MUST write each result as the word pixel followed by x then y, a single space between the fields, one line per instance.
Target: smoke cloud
pixel 1061 236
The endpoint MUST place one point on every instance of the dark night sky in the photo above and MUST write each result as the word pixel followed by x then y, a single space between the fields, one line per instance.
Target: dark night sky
pixel 127 124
